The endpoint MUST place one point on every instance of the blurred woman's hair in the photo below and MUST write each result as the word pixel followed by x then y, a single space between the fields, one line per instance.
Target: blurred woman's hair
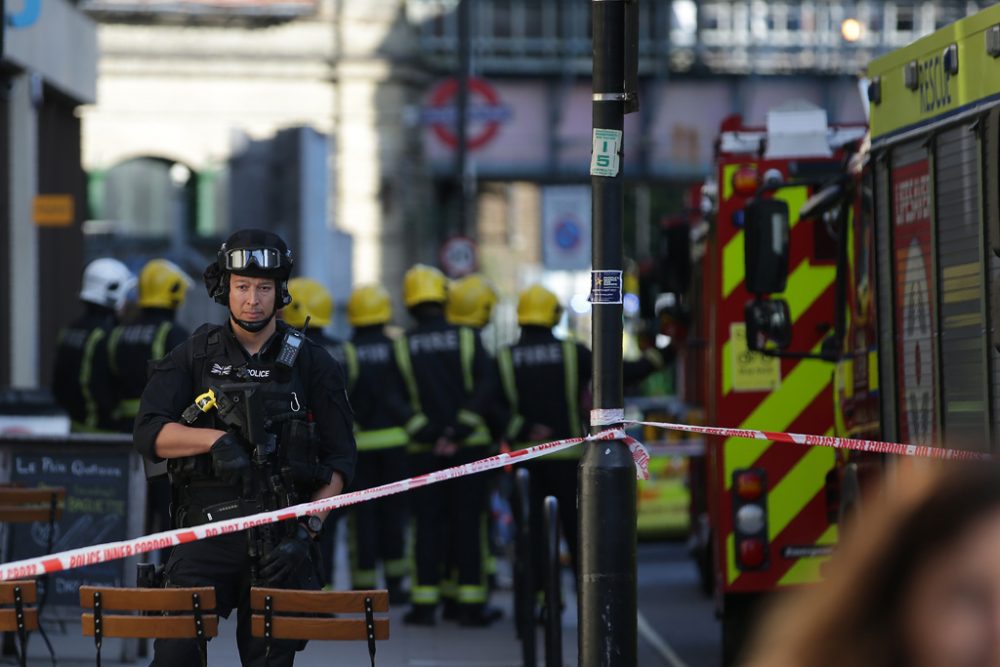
pixel 853 618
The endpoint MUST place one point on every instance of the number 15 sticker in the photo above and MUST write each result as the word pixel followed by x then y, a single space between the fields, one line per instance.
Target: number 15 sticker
pixel 604 160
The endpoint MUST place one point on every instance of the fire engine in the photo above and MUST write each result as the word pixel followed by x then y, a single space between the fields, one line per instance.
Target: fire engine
pixel 913 217
pixel 768 521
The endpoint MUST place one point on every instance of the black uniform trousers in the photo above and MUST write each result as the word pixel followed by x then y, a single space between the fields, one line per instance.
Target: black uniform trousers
pixel 377 527
pixel 449 513
pixel 223 562
pixel 559 478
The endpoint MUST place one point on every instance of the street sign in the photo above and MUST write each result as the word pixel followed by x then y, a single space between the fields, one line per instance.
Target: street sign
pixel 566 227
pixel 53 210
pixel 458 256
pixel 605 160
pixel 485 113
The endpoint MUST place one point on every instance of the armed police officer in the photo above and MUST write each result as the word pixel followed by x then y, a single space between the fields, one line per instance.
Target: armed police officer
pixel 226 459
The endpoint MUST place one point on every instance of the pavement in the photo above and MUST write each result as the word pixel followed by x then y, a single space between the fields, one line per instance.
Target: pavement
pixel 676 629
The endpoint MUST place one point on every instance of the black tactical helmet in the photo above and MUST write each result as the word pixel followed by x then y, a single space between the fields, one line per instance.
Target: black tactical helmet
pixel 250 252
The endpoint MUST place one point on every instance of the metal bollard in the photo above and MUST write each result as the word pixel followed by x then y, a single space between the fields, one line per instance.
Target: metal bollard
pixel 553 586
pixel 524 589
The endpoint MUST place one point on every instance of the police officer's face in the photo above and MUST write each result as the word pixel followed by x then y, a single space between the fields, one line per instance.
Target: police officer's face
pixel 251 299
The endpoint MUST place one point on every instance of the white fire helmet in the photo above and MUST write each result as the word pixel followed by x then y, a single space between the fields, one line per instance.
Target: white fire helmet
pixel 107 282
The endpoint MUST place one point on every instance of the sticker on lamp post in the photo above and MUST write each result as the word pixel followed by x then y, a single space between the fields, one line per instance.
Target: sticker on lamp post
pixel 605 286
pixel 604 160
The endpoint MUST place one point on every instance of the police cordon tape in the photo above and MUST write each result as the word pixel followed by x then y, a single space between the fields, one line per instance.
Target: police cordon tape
pixel 102 553
pixel 853 444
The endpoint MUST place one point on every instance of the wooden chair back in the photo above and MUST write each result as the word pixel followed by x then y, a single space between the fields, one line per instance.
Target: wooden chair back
pixel 284 614
pixel 18 612
pixel 185 606
pixel 170 613
pixel 20 504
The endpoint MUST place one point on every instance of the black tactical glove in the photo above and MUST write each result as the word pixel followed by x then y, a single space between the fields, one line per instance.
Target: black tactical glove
pixel 281 562
pixel 231 462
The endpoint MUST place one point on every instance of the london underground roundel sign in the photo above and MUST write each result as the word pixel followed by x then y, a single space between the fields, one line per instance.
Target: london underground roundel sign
pixel 485 112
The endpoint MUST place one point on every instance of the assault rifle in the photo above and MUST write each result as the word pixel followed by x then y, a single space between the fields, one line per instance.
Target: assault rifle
pixel 240 407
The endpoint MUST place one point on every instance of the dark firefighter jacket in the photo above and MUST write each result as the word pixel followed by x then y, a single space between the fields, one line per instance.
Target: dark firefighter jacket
pixel 81 379
pixel 130 349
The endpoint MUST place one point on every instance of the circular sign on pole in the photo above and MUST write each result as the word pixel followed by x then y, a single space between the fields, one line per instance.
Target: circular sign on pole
pixel 568 233
pixel 485 112
pixel 458 256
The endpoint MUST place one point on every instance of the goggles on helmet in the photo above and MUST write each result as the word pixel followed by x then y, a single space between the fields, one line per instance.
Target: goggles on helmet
pixel 240 259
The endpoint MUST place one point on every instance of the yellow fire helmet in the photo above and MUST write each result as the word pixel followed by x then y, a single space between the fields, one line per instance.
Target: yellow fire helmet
pixel 470 301
pixel 369 305
pixel 163 284
pixel 423 284
pixel 539 307
pixel 309 298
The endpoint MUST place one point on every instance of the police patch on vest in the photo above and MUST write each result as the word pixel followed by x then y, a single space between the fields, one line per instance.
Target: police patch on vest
pixel 219 369
pixel 258 373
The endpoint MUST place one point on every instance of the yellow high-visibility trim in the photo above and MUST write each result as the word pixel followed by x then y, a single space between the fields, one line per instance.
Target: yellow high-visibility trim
pixel 471 594
pixel 467 351
pixel 798 390
pixel 806 285
pixel 727 179
pixel 962 282
pixel 113 339
pixel 847 377
pixel 733 264
pixel 967 320
pixel 807 570
pixel 962 295
pixel 788 497
pixel 872 371
pixel 396 567
pixel 727 368
pixel 86 370
pixel 797 487
pixel 351 361
pixel 425 595
pixel 401 347
pixel 383 438
pixel 732 571
pixel 159 347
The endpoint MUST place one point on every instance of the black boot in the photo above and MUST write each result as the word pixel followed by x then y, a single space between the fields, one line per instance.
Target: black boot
pixel 450 609
pixel 397 594
pixel 478 615
pixel 420 614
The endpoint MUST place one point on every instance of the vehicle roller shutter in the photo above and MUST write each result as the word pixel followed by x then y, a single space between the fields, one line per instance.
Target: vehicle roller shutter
pixel 961 296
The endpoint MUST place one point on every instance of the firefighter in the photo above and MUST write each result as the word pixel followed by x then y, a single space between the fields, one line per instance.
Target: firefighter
pixel 313 302
pixel 382 407
pixel 311 309
pixel 302 394
pixel 444 370
pixel 81 378
pixel 542 378
pixel 162 289
pixel 471 300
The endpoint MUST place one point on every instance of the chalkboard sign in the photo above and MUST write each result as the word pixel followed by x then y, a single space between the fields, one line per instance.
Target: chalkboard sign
pixel 97 498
